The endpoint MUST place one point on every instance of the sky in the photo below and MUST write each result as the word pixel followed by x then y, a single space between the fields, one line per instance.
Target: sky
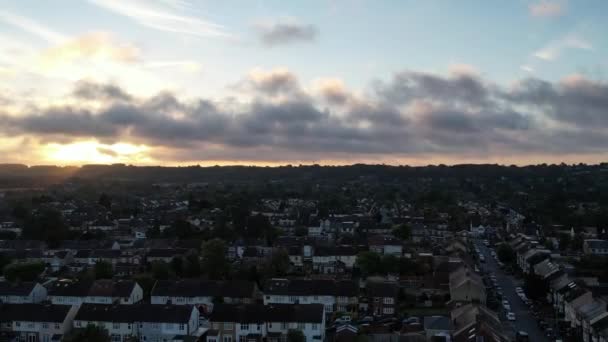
pixel 179 82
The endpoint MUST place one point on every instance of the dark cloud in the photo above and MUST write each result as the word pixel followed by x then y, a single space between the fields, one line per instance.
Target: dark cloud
pixel 282 33
pixel 274 82
pixel 413 114
pixel 89 90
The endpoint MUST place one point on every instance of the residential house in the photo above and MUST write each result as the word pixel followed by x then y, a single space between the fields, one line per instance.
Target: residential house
pixel 22 292
pixel 437 327
pixel 385 245
pixel 69 292
pixel 346 255
pixel 36 322
pixel 475 322
pixel 203 293
pixel 333 295
pixel 573 300
pixel 466 286
pixel 595 247
pixel 146 322
pixel 256 322
pixel 381 297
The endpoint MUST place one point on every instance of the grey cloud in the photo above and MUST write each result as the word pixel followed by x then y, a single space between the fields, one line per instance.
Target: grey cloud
pixel 456 122
pixel 282 33
pixel 91 90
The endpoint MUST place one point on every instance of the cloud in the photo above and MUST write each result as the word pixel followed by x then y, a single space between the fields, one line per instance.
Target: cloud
pixel 527 68
pixel 184 65
pixel 32 27
pixel 285 31
pixel 274 82
pixel 95 45
pixel 332 90
pixel 94 91
pixel 412 114
pixel 554 49
pixel 164 16
pixel 545 8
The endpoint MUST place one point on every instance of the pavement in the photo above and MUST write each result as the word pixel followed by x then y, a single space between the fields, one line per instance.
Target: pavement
pixel 525 321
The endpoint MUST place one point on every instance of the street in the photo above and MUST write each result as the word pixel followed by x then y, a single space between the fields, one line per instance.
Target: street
pixel 525 321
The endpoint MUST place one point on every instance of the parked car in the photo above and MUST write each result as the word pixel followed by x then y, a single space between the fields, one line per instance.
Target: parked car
pixel 343 320
pixel 510 316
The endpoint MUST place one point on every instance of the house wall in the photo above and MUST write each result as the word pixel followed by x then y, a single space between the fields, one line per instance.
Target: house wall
pixel 328 302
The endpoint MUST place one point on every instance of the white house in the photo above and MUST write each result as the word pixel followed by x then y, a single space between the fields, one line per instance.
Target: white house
pixel 37 322
pixel 146 322
pixel 267 322
pixel 24 292
pixel 385 245
pixel 333 295
pixel 68 292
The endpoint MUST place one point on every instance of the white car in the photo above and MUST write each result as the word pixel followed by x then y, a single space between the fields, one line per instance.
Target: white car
pixel 519 290
pixel 510 316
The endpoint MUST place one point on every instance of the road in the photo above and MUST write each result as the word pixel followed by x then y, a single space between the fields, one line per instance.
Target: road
pixel 524 319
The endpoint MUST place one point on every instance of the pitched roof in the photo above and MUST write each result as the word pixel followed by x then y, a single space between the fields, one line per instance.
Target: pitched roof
pixel 135 313
pixel 110 288
pixel 382 289
pixel 16 289
pixel 33 312
pixel 70 288
pixel 597 244
pixel 210 288
pixel 310 287
pixel 259 313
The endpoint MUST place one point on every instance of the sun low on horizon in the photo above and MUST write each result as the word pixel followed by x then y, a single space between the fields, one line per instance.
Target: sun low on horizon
pixel 178 82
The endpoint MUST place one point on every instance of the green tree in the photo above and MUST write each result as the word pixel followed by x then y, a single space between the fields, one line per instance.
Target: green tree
pixel 192 266
pixel 369 263
pixel 564 241
pixel 146 282
pixel 279 263
pixel 402 231
pixel 390 264
pixel 103 270
pixel 89 334
pixel 177 266
pixel 5 260
pixel 47 225
pixel 105 201
pixel 301 231
pixel 160 270
pixel 506 254
pixel 214 261
pixel 577 242
pixel 295 336
pixel 23 271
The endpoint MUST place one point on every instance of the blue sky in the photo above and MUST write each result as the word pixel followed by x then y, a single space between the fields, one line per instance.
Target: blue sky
pixel 224 51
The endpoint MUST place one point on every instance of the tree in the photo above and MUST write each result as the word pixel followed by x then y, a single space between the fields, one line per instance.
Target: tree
pixel 577 242
pixel 402 231
pixel 369 262
pixel 105 201
pixel 23 271
pixel 91 333
pixel 390 264
pixel 146 282
pixel 506 254
pixel 5 260
pixel 160 270
pixel 103 270
pixel 279 263
pixel 301 231
pixel 192 266
pixel 564 241
pixel 47 225
pixel 295 336
pixel 214 260
pixel 177 266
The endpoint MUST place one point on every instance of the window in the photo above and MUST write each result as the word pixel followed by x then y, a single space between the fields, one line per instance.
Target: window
pixel 17 324
pixel 115 325
pixel 301 326
pixel 244 326
pixel 293 299
pixel 228 326
pixel 57 326
pixel 259 327
pixel 227 338
pixel 182 327
pixel 78 324
pixel 388 300
pixel 284 325
pixel 316 297
pixel 116 338
pixel 388 311
pixel 30 324
pixel 45 325
pixel 315 326
pixel 155 326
